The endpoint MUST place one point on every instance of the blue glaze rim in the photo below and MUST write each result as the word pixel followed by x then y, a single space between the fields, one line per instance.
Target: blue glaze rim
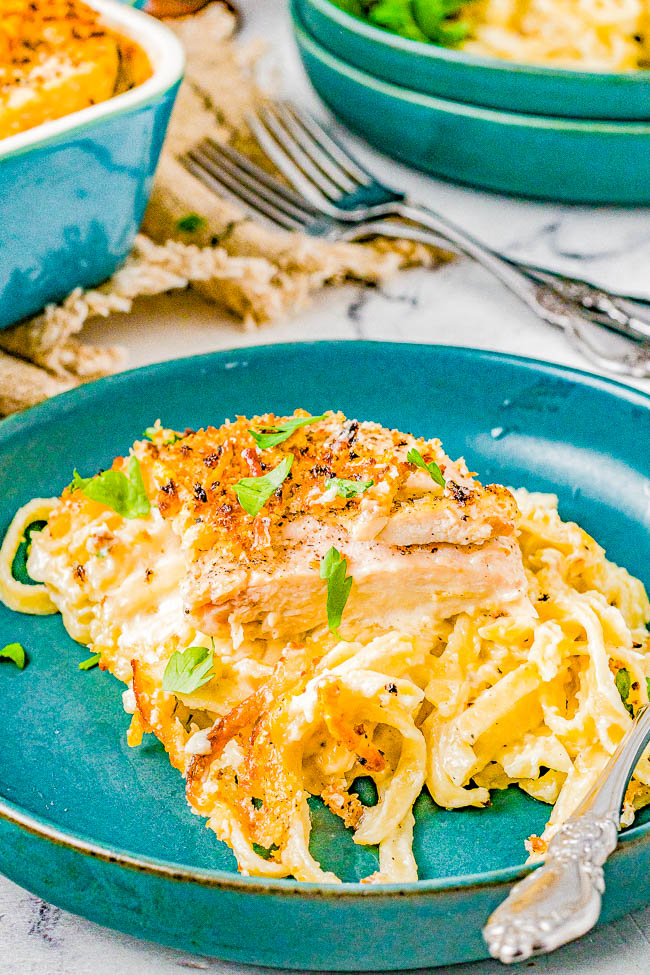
pixel 443 105
pixel 45 829
pixel 437 52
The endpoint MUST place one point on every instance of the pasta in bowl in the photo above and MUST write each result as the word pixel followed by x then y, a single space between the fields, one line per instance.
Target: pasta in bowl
pixel 548 58
pixel 601 35
pixel 312 605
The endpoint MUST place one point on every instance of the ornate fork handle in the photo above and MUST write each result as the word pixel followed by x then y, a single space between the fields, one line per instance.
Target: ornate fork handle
pixel 561 900
pixel 548 298
pixel 541 297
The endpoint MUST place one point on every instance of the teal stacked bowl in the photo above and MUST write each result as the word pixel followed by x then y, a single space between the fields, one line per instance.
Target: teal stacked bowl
pixel 490 82
pixel 570 160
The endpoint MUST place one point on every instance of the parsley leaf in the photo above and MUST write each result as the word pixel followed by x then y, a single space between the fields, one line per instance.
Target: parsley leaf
pixel 264 851
pixel 253 492
pixel 396 16
pixel 188 670
pixel 333 567
pixel 15 652
pixel 623 686
pixel 90 662
pixel 348 489
pixel 19 564
pixel 191 223
pixel 150 434
pixel 123 493
pixel 431 16
pixel 415 457
pixel 272 436
pixel 647 685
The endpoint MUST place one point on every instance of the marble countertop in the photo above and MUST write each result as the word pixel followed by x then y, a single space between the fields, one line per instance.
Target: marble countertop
pixel 458 304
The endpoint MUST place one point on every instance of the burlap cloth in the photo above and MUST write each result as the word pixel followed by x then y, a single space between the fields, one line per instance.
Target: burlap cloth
pixel 257 274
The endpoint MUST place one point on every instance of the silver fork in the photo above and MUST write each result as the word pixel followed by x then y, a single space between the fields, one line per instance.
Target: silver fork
pixel 330 178
pixel 228 172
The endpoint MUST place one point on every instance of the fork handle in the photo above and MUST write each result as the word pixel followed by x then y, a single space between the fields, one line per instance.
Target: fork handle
pixel 543 299
pixel 561 900
pixel 539 296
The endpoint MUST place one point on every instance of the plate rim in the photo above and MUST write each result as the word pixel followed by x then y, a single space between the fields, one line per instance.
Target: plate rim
pixel 45 829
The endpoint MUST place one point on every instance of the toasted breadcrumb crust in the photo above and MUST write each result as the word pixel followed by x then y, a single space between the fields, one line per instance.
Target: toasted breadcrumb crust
pixel 57 57
pixel 196 478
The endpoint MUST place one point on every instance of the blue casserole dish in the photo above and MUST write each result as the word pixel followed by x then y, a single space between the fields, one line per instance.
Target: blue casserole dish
pixel 73 191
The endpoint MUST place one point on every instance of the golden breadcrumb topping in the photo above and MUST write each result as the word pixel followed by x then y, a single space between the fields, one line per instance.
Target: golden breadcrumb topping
pixel 56 57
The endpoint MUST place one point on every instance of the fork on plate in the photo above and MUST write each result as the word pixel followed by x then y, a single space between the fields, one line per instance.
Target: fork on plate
pixel 335 198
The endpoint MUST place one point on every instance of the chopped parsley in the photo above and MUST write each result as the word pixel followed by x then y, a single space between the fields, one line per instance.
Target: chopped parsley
pixel 333 568
pixel 272 436
pixel 188 670
pixel 19 564
pixel 429 21
pixel 90 662
pixel 151 434
pixel 623 686
pixel 265 852
pixel 123 493
pixel 415 457
pixel 191 223
pixel 253 492
pixel 348 489
pixel 14 652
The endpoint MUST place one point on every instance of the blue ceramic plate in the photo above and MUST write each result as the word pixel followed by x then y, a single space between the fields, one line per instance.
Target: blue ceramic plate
pixel 104 831
pixel 461 76
pixel 570 159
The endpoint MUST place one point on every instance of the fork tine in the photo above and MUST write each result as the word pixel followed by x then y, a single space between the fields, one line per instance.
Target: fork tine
pixel 314 151
pixel 204 170
pixel 286 165
pixel 289 148
pixel 345 160
pixel 242 162
pixel 269 189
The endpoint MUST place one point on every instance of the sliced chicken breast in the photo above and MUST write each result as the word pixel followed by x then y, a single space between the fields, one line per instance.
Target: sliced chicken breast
pixel 414 546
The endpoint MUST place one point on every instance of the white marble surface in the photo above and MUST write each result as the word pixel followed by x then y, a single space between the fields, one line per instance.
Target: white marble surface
pixel 457 305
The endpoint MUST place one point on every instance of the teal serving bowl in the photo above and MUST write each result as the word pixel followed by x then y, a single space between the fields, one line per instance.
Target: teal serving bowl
pixel 490 82
pixel 73 191
pixel 565 159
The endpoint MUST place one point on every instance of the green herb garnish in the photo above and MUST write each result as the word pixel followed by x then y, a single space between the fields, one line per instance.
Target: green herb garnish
pixel 19 564
pixel 191 223
pixel 90 662
pixel 348 489
pixel 397 17
pixel 429 21
pixel 623 686
pixel 150 434
pixel 272 436
pixel 14 652
pixel 647 685
pixel 264 851
pixel 123 493
pixel 188 670
pixel 333 567
pixel 415 457
pixel 253 492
